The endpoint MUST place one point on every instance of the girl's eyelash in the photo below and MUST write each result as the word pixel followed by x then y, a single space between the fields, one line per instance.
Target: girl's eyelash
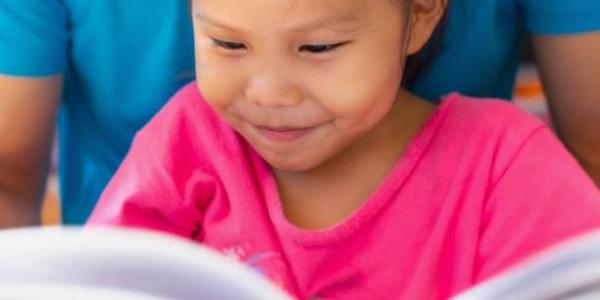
pixel 321 48
pixel 312 48
pixel 228 45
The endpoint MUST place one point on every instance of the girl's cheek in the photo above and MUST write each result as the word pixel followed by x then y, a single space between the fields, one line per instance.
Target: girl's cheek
pixel 219 83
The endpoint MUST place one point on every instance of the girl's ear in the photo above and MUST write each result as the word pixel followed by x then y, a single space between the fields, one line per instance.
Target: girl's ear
pixel 425 15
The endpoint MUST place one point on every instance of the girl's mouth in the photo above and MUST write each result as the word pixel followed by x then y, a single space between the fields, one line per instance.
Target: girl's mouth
pixel 284 134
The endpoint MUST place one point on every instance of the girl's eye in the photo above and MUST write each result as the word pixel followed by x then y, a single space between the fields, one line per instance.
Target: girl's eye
pixel 228 45
pixel 321 48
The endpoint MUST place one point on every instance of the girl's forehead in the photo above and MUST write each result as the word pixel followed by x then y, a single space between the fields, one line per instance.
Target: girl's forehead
pixel 292 15
pixel 290 5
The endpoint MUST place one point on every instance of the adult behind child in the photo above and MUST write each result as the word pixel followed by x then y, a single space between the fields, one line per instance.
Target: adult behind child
pixel 112 66
pixel 298 153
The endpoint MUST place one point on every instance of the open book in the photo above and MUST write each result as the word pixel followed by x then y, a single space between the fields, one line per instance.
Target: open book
pixel 570 270
pixel 102 263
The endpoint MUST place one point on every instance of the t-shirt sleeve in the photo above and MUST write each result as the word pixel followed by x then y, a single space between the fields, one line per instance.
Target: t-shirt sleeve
pixel 142 194
pixel 161 184
pixel 33 37
pixel 560 16
pixel 542 197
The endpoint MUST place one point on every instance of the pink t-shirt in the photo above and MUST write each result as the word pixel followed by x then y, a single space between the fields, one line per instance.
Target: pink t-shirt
pixel 481 186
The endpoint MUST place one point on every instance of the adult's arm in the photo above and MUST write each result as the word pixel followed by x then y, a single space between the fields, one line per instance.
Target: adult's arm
pixel 570 69
pixel 28 109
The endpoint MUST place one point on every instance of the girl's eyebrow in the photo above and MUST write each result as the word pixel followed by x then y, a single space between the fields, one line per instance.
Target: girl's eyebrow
pixel 214 22
pixel 342 22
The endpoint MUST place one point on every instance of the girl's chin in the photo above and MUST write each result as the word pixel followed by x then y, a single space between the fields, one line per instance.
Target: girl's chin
pixel 290 163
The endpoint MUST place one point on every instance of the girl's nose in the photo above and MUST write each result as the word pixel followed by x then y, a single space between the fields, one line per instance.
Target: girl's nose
pixel 270 88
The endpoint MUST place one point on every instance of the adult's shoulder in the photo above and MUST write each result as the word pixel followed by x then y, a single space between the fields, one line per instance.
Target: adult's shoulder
pixel 34 39
pixel 550 17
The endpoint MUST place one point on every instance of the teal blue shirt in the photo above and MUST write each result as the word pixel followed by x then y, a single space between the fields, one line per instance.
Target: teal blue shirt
pixel 123 59
pixel 482 42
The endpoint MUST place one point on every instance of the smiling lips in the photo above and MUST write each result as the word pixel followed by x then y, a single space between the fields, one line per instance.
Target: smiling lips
pixel 281 126
pixel 284 134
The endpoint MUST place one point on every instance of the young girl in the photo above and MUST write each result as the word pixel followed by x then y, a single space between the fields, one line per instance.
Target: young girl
pixel 298 153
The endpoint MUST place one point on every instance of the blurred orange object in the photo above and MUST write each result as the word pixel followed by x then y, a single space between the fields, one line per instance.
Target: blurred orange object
pixel 529 90
pixel 51 206
pixel 529 93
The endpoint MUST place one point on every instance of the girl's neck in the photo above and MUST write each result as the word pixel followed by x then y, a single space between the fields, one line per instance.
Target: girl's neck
pixel 326 195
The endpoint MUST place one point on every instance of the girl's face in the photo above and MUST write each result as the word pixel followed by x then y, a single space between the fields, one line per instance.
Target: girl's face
pixel 301 80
